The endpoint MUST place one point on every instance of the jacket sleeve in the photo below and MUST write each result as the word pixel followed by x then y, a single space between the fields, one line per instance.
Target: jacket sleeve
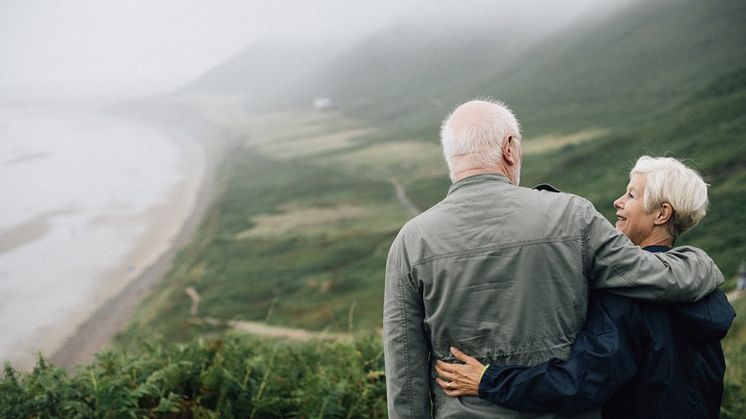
pixel 613 263
pixel 603 358
pixel 406 350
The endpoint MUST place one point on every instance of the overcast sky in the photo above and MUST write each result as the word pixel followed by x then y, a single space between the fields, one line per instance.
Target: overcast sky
pixel 160 45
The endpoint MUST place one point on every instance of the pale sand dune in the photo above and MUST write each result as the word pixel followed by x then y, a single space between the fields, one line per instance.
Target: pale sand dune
pixel 554 142
pixel 413 158
pixel 308 145
pixel 300 219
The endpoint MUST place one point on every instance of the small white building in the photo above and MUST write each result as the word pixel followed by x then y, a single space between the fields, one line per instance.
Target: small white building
pixel 323 104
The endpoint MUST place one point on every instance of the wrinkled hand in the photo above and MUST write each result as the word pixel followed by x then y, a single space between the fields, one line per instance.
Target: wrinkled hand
pixel 458 380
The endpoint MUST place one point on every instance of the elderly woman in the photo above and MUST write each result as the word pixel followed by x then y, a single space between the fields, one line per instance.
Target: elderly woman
pixel 636 359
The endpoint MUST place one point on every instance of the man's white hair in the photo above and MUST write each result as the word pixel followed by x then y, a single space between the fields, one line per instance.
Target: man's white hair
pixel 481 138
pixel 669 180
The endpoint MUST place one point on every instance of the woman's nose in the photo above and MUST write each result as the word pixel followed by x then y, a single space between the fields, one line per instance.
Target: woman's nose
pixel 619 202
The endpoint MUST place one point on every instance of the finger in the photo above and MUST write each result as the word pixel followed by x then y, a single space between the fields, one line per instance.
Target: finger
pixel 455 393
pixel 450 392
pixel 462 356
pixel 438 369
pixel 442 384
pixel 449 386
pixel 446 366
pixel 446 375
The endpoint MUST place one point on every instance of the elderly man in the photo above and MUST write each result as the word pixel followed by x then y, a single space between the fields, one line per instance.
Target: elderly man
pixel 503 272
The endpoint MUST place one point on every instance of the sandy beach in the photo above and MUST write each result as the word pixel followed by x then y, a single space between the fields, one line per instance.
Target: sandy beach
pixel 148 229
pixel 172 225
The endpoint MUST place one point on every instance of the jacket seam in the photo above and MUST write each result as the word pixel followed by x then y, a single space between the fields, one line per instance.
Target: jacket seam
pixel 478 250
pixel 407 372
pixel 584 244
pixel 404 277
pixel 583 227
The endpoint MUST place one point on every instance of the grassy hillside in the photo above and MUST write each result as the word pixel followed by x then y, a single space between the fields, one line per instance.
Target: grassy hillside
pixel 622 71
pixel 297 240
pixel 300 238
pixel 300 234
pixel 310 202
pixel 708 130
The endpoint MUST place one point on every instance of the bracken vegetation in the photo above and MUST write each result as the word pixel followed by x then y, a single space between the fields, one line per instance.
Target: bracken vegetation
pixel 234 377
pixel 734 346
pixel 244 377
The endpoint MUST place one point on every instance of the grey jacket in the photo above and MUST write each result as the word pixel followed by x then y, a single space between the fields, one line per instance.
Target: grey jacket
pixel 503 273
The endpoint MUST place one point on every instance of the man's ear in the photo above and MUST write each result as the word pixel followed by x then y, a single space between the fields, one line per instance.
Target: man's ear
pixel 663 214
pixel 510 153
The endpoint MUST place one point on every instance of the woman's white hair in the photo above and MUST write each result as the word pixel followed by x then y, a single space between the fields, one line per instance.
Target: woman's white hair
pixel 669 180
pixel 481 138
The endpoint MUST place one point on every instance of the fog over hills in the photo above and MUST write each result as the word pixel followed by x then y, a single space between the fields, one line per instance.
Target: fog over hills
pixel 590 68
pixel 259 72
pixel 437 48
pixel 626 64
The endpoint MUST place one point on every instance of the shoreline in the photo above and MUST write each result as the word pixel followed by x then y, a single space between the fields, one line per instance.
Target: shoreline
pixel 97 328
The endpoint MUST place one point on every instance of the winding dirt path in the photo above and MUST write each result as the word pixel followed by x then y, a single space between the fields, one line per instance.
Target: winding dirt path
pixel 401 195
pixel 194 296
pixel 262 329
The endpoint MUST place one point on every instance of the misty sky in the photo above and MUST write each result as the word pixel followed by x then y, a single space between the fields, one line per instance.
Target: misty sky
pixel 144 45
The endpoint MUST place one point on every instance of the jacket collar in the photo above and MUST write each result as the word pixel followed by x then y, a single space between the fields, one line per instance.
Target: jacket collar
pixel 657 249
pixel 477 180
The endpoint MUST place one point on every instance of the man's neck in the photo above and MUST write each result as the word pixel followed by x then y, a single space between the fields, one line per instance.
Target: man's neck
pixel 466 173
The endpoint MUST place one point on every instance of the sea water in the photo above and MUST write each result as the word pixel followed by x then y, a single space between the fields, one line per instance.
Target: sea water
pixel 75 191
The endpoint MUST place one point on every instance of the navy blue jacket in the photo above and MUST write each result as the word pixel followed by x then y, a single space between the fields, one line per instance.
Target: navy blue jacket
pixel 636 359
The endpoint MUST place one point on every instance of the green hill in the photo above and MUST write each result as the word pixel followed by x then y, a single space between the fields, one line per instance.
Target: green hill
pixel 306 246
pixel 609 70
pixel 708 130
pixel 622 71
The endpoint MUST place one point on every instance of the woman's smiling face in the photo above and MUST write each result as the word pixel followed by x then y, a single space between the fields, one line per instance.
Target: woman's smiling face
pixel 632 220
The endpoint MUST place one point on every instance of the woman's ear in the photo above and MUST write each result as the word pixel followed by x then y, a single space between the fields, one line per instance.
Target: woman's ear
pixel 663 214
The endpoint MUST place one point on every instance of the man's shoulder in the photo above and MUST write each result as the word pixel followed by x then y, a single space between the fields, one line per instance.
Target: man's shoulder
pixel 425 219
pixel 532 204
pixel 550 193
pixel 557 205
